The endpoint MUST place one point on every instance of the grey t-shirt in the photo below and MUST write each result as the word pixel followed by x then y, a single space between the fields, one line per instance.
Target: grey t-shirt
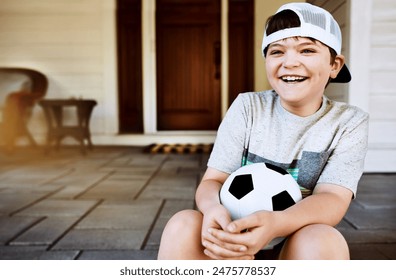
pixel 326 147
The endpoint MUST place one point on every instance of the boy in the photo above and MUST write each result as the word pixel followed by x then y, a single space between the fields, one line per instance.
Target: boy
pixel 294 126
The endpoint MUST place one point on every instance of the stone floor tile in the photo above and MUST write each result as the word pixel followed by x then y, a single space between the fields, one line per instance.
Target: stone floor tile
pixel 36 175
pixel 114 190
pixel 169 179
pixel 118 255
pixel 133 171
pixel 377 183
pixel 128 177
pixel 82 178
pixel 171 186
pixel 175 165
pixel 57 207
pixel 10 227
pixel 137 215
pixel 171 207
pixel 366 252
pixel 11 202
pixel 21 252
pixel 29 188
pixel 379 218
pixel 344 225
pixel 369 236
pixel 102 239
pixel 389 250
pixel 70 192
pixel 186 192
pixel 154 240
pixel 137 159
pixel 193 172
pixel 377 201
pixel 46 232
pixel 146 160
pixel 59 255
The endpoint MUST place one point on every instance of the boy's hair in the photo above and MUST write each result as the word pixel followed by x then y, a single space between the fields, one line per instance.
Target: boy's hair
pixel 288 19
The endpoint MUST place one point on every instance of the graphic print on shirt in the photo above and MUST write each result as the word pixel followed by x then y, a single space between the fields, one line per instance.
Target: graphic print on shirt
pixel 306 171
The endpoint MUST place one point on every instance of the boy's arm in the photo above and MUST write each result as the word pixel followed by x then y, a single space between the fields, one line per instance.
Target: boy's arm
pixel 327 205
pixel 208 190
pixel 215 216
pixel 208 201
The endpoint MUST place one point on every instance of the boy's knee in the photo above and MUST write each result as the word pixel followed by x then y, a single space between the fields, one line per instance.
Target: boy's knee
pixel 184 219
pixel 316 241
pixel 181 238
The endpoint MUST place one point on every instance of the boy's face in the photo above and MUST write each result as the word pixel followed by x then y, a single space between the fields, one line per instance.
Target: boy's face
pixel 299 69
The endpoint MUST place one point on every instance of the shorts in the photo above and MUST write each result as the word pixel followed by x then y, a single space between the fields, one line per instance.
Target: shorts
pixel 270 254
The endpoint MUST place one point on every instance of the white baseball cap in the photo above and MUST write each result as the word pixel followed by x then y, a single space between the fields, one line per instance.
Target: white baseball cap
pixel 316 23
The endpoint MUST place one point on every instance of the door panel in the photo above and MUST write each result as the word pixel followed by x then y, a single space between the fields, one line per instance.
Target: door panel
pixel 188 64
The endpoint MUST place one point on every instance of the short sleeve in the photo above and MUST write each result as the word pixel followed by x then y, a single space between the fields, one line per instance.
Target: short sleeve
pixel 346 162
pixel 229 145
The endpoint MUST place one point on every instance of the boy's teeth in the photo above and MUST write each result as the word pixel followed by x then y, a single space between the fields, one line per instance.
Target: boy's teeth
pixel 292 78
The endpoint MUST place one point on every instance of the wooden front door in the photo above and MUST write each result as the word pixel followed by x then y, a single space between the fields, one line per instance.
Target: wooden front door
pixel 188 64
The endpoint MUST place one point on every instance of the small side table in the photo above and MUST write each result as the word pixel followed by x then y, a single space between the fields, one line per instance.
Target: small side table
pixel 57 130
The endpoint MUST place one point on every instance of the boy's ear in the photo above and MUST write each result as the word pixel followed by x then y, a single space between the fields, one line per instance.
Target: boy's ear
pixel 339 61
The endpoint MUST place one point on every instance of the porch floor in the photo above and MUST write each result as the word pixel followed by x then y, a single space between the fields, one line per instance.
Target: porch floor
pixel 114 202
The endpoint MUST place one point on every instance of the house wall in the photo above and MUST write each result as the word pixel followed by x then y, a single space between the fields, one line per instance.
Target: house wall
pixel 65 40
pixel 382 94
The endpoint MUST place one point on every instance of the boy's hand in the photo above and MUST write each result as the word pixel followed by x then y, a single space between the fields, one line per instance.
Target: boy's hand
pixel 215 219
pixel 252 232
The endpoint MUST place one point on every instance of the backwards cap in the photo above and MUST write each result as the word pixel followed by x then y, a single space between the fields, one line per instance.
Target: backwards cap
pixel 316 23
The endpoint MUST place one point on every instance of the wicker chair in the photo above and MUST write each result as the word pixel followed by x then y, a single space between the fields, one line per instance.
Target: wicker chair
pixel 20 89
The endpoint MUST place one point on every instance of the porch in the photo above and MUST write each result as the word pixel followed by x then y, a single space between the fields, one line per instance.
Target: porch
pixel 113 203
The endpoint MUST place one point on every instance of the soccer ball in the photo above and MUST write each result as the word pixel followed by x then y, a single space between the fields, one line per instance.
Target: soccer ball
pixel 259 186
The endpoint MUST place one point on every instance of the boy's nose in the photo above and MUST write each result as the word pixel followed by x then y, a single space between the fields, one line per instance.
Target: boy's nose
pixel 290 60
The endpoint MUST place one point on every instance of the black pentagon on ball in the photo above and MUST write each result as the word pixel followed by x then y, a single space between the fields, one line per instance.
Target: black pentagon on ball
pixel 241 185
pixel 281 201
pixel 276 168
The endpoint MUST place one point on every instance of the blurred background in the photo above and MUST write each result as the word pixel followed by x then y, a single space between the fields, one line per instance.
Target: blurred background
pixel 165 71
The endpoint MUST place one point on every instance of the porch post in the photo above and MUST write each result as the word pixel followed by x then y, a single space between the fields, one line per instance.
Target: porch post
pixel 149 67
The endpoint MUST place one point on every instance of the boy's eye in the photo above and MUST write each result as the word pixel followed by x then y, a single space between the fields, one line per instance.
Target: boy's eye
pixel 275 52
pixel 308 51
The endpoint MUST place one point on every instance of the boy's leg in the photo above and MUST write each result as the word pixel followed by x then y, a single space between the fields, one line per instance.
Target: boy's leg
pixel 317 241
pixel 181 239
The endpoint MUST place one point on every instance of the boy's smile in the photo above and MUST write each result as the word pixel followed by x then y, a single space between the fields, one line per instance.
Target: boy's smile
pixel 293 79
pixel 299 69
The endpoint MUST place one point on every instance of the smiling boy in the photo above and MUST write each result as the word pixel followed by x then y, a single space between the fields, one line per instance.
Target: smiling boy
pixel 296 127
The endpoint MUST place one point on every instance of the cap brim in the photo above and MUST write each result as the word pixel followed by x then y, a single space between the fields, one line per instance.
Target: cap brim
pixel 344 76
